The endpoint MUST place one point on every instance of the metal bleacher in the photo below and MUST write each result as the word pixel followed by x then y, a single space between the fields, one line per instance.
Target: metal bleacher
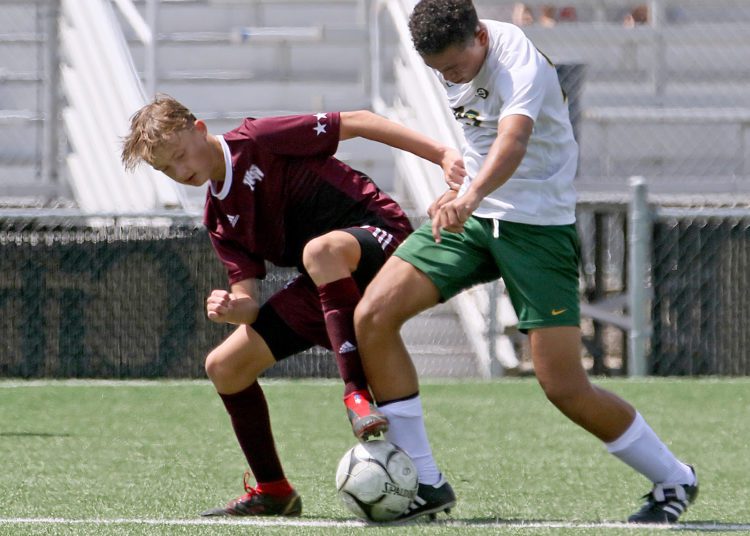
pixel 227 60
pixel 667 100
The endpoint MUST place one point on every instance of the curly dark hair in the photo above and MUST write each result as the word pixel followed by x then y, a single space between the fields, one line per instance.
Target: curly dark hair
pixel 438 24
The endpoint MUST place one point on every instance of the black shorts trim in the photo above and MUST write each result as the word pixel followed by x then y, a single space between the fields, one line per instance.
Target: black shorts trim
pixel 282 340
pixel 372 258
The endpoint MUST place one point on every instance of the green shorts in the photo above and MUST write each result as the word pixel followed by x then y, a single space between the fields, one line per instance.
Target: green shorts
pixel 538 263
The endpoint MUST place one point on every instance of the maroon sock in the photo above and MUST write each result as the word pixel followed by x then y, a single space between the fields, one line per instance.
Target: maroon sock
pixel 252 426
pixel 338 299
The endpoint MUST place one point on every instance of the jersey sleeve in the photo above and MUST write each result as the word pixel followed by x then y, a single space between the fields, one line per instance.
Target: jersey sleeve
pixel 238 263
pixel 299 135
pixel 521 83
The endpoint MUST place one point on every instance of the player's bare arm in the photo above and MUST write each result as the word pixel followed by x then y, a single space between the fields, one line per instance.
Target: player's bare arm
pixel 366 124
pixel 504 156
pixel 240 306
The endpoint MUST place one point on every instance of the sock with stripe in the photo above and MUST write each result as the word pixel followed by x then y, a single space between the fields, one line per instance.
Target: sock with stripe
pixel 338 300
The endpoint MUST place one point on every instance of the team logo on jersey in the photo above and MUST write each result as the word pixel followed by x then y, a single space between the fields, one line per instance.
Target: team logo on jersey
pixel 252 176
pixel 233 219
pixel 482 93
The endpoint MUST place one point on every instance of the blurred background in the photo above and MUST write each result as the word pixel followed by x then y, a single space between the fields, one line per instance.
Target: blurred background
pixel 104 273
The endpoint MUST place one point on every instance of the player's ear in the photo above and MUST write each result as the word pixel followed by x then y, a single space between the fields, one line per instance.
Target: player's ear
pixel 201 126
pixel 481 35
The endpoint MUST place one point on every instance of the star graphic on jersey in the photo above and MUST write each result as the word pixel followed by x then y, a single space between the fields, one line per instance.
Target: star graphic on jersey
pixel 320 116
pixel 320 129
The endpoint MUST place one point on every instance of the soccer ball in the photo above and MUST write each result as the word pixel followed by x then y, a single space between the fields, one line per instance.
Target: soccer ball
pixel 376 480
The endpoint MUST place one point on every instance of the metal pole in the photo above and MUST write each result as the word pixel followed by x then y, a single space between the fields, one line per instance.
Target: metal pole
pixel 51 103
pixel 152 18
pixel 638 258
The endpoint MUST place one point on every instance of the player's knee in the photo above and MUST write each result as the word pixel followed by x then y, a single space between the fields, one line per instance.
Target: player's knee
pixel 371 315
pixel 565 395
pixel 318 250
pixel 220 369
pixel 213 366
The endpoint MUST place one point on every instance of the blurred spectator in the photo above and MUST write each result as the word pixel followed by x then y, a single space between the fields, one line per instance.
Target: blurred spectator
pixel 522 15
pixel 636 17
pixel 567 14
pixel 548 16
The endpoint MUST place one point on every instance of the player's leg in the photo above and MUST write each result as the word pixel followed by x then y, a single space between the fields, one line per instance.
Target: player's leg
pixel 556 355
pixel 233 367
pixel 540 269
pixel 340 263
pixel 418 276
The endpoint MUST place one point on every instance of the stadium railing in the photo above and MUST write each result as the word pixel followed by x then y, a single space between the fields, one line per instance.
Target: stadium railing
pixel 103 91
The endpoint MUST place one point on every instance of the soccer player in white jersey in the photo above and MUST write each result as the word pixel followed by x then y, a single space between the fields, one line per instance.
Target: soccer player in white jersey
pixel 513 217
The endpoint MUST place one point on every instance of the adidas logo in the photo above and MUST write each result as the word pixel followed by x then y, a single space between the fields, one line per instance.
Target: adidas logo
pixel 347 347
pixel 233 219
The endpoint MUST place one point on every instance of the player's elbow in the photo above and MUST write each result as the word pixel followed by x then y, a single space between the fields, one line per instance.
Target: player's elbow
pixel 355 124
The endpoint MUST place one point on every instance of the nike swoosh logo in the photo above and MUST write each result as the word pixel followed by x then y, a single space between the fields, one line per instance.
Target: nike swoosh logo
pixel 556 312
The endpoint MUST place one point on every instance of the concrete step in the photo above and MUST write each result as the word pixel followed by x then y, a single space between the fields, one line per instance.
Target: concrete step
pixel 20 135
pixel 228 95
pixel 19 52
pixel 202 15
pixel 20 185
pixel 21 94
pixel 272 61
pixel 18 17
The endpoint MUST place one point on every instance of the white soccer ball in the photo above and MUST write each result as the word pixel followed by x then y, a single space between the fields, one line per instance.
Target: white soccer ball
pixel 376 480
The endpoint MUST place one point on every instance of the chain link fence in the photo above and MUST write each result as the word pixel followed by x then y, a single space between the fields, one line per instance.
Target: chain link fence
pixel 116 298
pixel 700 278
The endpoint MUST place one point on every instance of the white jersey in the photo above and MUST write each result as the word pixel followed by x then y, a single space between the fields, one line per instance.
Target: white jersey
pixel 517 79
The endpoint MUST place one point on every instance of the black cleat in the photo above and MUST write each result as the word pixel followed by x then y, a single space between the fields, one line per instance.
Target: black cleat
pixel 254 503
pixel 430 500
pixel 665 503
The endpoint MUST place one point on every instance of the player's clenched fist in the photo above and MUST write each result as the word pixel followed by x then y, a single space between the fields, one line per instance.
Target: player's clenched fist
pixel 219 305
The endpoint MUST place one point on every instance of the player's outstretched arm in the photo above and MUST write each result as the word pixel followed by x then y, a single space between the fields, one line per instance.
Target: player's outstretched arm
pixel 366 124
pixel 240 306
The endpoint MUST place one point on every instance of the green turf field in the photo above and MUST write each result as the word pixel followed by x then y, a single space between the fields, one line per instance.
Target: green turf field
pixel 145 458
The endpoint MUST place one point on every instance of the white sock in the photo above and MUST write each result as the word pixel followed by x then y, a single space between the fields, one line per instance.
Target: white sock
pixel 641 449
pixel 406 430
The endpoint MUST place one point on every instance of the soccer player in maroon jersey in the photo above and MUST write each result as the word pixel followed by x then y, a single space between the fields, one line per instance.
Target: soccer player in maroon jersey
pixel 276 193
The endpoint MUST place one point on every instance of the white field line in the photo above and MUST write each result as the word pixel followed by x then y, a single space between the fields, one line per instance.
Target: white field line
pixel 330 523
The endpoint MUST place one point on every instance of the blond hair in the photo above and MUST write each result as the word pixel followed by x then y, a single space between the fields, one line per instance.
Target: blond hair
pixel 151 126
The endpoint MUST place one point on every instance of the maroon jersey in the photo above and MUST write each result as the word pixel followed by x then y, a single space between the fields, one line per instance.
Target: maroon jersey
pixel 282 188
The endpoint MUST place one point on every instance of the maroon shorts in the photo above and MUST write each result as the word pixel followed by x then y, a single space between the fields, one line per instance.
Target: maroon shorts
pixel 291 321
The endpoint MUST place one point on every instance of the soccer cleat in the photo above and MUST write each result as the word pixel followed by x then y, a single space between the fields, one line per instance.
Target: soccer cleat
pixel 430 500
pixel 665 503
pixel 366 420
pixel 254 503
